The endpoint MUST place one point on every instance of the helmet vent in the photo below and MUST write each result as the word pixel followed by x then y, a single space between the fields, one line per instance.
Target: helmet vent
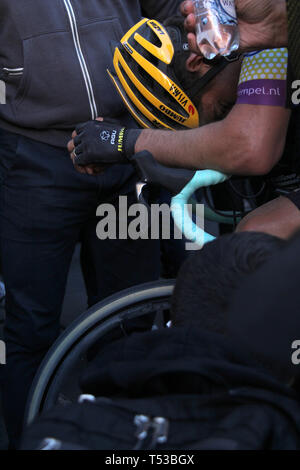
pixel 165 98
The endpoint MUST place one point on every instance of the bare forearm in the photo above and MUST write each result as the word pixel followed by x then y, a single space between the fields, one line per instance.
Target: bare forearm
pixel 208 147
pixel 249 141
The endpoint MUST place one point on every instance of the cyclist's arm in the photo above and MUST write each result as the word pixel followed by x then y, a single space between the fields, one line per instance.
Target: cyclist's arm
pixel 250 140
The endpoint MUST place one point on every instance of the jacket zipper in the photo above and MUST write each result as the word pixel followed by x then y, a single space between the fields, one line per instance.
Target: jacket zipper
pixel 81 59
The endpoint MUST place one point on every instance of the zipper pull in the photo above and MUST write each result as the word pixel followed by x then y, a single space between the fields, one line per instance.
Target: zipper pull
pixel 161 431
pixel 143 423
pixel 49 443
pixel 86 397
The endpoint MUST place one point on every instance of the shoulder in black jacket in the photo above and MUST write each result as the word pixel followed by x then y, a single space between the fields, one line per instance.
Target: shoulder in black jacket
pixel 53 59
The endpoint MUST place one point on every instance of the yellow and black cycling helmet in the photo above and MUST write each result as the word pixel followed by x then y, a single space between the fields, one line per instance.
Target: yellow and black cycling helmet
pixel 150 79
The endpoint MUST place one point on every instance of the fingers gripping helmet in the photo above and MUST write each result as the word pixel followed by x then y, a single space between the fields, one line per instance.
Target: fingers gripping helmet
pixel 145 79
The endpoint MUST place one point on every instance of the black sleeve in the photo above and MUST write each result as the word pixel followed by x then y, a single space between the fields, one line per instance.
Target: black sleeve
pixel 265 313
pixel 160 9
pixel 293 9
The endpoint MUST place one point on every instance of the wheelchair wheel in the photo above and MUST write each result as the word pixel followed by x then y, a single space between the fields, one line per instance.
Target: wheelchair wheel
pixel 57 378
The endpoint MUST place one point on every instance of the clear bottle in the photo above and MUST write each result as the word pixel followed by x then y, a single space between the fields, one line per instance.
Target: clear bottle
pixel 216 27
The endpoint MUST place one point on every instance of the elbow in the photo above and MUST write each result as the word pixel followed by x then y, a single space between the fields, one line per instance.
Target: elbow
pixel 255 158
pixel 262 167
pixel 258 163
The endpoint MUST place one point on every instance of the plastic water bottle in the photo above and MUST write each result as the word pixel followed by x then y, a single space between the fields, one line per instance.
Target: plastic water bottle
pixel 216 27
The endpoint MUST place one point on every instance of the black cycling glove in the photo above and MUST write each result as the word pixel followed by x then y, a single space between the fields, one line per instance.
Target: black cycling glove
pixel 104 142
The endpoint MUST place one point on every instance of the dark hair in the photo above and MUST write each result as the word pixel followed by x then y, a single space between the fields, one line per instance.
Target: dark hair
pixel 208 279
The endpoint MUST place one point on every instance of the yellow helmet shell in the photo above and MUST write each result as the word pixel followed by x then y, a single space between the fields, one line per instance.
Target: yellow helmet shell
pixel 143 78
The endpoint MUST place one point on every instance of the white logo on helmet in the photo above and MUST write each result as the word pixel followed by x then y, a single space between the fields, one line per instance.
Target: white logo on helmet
pixel 105 136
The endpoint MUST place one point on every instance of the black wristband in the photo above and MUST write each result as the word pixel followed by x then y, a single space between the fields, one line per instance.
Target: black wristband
pixel 130 138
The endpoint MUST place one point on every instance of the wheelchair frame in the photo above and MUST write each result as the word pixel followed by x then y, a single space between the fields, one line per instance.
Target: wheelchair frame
pixel 102 318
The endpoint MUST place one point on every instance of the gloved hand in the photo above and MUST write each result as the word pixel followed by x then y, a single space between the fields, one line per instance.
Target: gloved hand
pixel 104 143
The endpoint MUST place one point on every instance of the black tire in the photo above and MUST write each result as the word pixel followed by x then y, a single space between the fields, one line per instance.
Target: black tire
pixel 88 328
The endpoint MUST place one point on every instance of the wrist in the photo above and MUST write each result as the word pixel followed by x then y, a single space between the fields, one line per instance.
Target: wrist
pixel 130 139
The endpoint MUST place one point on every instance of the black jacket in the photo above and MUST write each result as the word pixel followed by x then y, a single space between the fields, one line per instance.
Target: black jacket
pixel 205 388
pixel 53 59
pixel 170 371
pixel 150 363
